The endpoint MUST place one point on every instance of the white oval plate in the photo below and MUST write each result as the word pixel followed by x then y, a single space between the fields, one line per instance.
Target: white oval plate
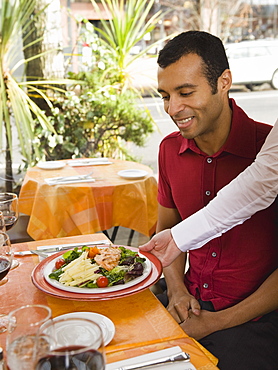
pixel 51 266
pixel 51 165
pixel 132 174
pixel 107 326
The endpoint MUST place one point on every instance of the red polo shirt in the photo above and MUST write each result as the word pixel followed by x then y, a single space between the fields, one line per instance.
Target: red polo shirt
pixel 228 268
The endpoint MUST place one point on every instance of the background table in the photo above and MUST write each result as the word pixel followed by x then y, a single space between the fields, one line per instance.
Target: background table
pixel 142 324
pixel 85 208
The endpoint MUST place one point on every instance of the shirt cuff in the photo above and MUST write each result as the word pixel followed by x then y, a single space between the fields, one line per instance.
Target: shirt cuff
pixel 193 232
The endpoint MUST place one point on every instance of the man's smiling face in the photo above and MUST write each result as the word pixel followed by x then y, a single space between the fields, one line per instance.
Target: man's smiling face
pixel 188 97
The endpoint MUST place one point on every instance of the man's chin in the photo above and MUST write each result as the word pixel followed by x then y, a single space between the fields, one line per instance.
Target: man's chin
pixel 187 135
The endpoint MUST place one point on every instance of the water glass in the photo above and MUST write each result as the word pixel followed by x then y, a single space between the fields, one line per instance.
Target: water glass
pixel 70 344
pixel 23 326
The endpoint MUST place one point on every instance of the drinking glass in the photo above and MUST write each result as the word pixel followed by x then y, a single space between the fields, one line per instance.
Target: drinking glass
pixel 5 256
pixel 5 265
pixel 70 344
pixel 9 213
pixel 23 326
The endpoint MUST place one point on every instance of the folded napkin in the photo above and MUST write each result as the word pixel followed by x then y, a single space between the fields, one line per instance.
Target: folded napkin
pixel 68 180
pixel 88 162
pixel 183 365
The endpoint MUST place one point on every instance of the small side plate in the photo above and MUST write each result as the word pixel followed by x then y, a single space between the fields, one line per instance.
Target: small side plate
pixel 51 165
pixel 107 326
pixel 132 174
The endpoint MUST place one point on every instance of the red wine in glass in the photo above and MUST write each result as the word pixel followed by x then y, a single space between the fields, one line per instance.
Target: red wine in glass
pixel 88 360
pixel 5 266
pixel 5 256
pixel 8 214
pixel 10 221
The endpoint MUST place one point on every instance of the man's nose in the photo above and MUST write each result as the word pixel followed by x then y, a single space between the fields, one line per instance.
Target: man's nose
pixel 173 106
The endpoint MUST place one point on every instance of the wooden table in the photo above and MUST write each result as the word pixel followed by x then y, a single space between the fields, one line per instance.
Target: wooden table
pixel 142 324
pixel 84 208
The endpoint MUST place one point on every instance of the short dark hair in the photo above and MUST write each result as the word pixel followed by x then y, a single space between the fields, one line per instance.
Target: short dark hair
pixel 210 48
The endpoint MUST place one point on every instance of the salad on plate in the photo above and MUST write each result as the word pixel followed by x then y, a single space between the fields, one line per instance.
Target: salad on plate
pixel 98 267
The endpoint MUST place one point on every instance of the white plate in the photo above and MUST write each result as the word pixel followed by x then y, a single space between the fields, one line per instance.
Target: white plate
pixel 107 326
pixel 51 165
pixel 51 266
pixel 132 174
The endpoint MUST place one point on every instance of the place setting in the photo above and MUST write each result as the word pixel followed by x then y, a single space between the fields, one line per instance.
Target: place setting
pixel 81 162
pixel 76 340
pixel 36 340
pixel 60 180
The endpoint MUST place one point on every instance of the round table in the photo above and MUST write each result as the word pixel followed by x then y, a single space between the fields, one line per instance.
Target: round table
pixel 87 207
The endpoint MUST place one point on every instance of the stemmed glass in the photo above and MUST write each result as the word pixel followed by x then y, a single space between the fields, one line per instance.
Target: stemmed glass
pixel 5 265
pixel 23 325
pixel 9 210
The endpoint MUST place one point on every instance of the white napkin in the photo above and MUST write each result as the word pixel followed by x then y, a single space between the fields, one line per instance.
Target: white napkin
pixel 153 356
pixel 68 180
pixel 88 162
pixel 42 248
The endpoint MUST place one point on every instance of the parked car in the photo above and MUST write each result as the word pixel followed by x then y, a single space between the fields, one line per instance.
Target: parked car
pixel 254 62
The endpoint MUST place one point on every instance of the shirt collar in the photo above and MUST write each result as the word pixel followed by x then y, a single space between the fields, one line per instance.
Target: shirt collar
pixel 241 140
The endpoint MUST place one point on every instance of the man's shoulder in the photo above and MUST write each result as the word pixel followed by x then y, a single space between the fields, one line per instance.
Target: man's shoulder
pixel 262 130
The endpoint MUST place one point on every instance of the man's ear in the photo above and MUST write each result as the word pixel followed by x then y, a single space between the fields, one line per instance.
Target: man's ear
pixel 225 81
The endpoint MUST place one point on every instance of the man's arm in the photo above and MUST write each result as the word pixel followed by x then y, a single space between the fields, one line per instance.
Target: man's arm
pixel 261 302
pixel 174 274
pixel 253 190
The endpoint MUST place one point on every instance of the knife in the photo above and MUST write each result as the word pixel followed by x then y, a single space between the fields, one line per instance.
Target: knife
pixel 180 357
pixel 61 247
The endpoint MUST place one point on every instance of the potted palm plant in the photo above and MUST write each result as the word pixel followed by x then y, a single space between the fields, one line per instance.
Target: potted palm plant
pixel 17 109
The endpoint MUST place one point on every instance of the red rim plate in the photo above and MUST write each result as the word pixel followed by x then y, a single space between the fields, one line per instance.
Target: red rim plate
pixel 40 282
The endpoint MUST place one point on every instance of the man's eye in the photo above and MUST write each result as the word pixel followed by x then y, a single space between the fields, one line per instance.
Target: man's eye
pixel 187 94
pixel 164 97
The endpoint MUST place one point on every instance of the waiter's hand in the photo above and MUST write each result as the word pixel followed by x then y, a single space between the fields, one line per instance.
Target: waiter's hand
pixel 162 245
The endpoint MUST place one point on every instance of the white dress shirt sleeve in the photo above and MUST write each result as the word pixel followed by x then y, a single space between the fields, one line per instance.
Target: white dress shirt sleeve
pixel 253 190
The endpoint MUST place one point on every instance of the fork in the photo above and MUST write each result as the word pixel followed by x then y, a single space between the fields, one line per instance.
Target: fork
pixel 63 178
pixel 29 253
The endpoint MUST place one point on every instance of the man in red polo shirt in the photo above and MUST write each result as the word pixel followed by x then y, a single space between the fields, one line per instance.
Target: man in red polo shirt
pixel 216 141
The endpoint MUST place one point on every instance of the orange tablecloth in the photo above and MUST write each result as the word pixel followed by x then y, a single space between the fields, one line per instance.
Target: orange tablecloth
pixel 84 208
pixel 142 324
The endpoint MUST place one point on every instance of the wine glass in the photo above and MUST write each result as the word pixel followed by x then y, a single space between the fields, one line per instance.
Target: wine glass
pixel 21 342
pixel 5 256
pixel 9 209
pixel 5 265
pixel 70 343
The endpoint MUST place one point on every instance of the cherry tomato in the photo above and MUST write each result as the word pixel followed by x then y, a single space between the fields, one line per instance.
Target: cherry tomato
pixel 102 281
pixel 59 263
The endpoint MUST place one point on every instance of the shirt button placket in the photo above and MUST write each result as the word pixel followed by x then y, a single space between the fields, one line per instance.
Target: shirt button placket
pixel 208 192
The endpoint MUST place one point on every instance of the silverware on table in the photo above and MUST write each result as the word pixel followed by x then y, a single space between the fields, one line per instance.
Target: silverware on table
pixel 69 178
pixel 43 250
pixel 179 357
pixel 22 253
